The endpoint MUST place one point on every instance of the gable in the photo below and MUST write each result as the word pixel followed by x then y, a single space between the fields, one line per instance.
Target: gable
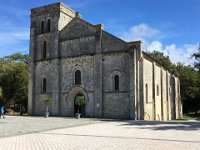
pixel 111 43
pixel 77 28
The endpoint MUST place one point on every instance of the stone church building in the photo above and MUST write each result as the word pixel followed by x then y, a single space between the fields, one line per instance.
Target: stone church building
pixel 72 58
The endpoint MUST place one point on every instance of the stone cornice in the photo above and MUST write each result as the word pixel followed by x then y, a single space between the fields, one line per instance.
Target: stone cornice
pixel 53 8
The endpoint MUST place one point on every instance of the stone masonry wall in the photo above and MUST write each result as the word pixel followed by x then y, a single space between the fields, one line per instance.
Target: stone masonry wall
pixel 164 95
pixel 111 43
pixel 78 47
pixel 158 110
pixel 46 69
pixel 148 93
pixel 69 66
pixel 116 103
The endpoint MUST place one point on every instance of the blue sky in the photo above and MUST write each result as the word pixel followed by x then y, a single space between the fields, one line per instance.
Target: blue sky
pixel 169 26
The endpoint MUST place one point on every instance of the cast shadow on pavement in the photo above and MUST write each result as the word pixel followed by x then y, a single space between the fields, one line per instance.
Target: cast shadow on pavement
pixel 164 125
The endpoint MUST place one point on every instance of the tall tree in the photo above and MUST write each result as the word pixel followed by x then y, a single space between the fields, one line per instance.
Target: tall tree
pixel 14 80
pixel 190 88
pixel 197 57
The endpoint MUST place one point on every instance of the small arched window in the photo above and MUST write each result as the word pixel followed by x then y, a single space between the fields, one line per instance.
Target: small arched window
pixel 44 85
pixel 146 92
pixel 116 82
pixel 157 90
pixel 44 50
pixel 78 77
pixel 48 25
pixel 42 27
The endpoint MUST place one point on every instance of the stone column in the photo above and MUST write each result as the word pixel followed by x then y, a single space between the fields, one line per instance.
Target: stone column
pixel 179 101
pixel 55 62
pixel 161 92
pixel 167 94
pixel 139 80
pixel 173 100
pixel 98 71
pixel 141 88
pixel 177 109
pixel 154 97
pixel 60 76
pixel 132 89
pixel 31 86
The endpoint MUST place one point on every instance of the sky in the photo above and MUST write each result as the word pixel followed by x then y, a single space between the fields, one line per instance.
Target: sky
pixel 168 26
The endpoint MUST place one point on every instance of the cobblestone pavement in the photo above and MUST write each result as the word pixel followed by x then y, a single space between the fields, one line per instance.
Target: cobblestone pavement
pixel 96 134
pixel 16 125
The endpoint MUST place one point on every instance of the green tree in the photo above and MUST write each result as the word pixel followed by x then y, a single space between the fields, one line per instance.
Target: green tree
pixel 17 57
pixel 190 88
pixel 47 102
pixel 163 60
pixel 80 102
pixel 197 58
pixel 14 82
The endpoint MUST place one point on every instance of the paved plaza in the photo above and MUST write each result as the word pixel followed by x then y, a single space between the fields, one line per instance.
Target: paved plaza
pixel 38 133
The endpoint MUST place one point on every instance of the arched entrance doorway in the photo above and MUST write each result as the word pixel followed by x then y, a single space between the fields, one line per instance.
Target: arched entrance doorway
pixel 80 109
pixel 73 92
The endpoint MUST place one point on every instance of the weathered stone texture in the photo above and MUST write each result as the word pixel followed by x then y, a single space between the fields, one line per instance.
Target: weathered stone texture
pixel 116 105
pixel 164 95
pixel 76 29
pixel 148 93
pixel 78 47
pixel 111 43
pixel 146 90
pixel 157 93
pixel 116 64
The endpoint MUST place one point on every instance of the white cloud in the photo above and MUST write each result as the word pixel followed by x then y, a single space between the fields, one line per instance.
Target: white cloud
pixel 150 41
pixel 176 54
pixel 155 45
pixel 140 32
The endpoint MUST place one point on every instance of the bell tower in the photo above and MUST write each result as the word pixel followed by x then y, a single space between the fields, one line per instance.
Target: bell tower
pixel 46 23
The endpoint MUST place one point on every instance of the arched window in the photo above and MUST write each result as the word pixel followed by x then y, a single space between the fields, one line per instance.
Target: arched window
pixel 44 50
pixel 48 25
pixel 146 92
pixel 116 82
pixel 44 85
pixel 157 90
pixel 42 27
pixel 78 77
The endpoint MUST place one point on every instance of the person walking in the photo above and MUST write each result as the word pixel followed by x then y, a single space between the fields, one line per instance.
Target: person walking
pixel 2 111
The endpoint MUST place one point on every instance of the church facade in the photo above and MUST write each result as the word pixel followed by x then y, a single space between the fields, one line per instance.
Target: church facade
pixel 72 58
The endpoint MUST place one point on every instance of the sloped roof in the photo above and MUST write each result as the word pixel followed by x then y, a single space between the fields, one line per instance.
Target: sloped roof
pixel 77 28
